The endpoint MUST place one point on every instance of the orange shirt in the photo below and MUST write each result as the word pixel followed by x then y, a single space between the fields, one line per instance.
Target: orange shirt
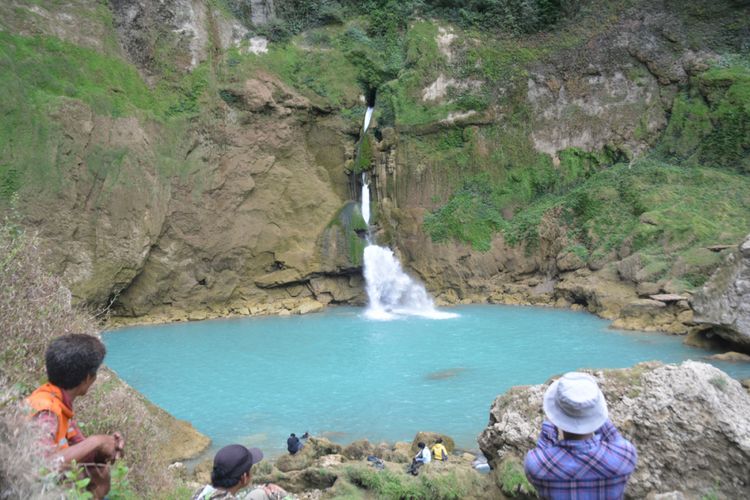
pixel 49 402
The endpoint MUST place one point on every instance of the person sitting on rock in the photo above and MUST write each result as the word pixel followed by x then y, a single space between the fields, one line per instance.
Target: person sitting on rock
pixel 438 451
pixel 232 473
pixel 592 460
pixel 72 362
pixel 422 457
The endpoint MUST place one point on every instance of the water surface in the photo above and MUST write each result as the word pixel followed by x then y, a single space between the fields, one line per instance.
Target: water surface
pixel 338 374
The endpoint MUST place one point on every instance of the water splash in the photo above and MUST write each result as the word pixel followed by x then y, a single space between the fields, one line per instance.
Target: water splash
pixel 365 200
pixel 392 292
pixel 368 116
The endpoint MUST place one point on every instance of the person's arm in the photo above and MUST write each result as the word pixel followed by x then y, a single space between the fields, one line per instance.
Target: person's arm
pixel 548 435
pixel 609 432
pixel 101 446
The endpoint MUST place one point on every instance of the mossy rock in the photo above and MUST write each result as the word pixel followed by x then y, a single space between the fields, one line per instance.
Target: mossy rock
pixel 298 461
pixel 511 479
pixel 318 478
pixel 358 450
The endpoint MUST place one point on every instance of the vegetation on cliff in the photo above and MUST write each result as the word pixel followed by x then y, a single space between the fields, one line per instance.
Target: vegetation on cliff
pixel 35 308
pixel 691 192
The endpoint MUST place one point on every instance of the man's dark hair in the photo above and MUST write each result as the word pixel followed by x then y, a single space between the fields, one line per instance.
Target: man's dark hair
pixel 292 435
pixel 421 445
pixel 71 358
pixel 439 440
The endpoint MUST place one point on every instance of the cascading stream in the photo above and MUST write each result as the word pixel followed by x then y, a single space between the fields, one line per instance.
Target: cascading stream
pixel 391 292
pixel 368 116
pixel 365 201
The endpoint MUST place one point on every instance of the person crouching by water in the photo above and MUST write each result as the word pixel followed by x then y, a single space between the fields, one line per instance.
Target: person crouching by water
pixel 592 460
pixel 422 457
pixel 295 444
pixel 72 363
pixel 232 473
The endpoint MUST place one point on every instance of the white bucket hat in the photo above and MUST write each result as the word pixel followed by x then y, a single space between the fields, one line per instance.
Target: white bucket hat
pixel 575 404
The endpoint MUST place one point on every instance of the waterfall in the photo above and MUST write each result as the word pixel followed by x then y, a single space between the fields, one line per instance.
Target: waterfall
pixel 368 115
pixel 392 292
pixel 365 200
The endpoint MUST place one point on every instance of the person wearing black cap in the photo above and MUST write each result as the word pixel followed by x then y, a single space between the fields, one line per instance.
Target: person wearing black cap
pixel 232 473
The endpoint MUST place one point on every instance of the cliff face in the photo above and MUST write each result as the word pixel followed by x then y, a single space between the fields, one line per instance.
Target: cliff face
pixel 221 184
pixel 603 101
pixel 724 302
pixel 668 412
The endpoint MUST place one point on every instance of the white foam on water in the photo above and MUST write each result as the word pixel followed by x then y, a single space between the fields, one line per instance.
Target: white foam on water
pixel 391 292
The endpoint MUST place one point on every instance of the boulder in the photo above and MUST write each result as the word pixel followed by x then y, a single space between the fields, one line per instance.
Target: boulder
pixel 724 302
pixel 690 424
pixel 358 450
pixel 731 356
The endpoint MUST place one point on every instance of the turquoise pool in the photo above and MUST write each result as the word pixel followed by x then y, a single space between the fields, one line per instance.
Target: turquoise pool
pixel 338 374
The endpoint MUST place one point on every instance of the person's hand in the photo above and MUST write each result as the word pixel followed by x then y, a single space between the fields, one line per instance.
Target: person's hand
pixel 272 489
pixel 106 450
pixel 119 445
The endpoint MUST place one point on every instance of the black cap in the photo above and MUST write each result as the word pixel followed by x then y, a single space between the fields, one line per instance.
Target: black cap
pixel 231 462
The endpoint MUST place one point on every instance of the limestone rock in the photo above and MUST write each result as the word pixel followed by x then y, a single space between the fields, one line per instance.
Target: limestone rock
pixel 724 302
pixel 181 26
pixel 690 424
pixel 647 289
pixel 569 261
pixel 731 356
pixel 261 11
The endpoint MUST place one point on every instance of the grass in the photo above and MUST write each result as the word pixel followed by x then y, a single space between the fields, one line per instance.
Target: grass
pixel 439 485
pixel 41 75
pixel 710 121
pixel 684 208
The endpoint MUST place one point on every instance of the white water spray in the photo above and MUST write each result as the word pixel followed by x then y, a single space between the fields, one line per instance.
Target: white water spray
pixel 368 115
pixel 365 200
pixel 392 292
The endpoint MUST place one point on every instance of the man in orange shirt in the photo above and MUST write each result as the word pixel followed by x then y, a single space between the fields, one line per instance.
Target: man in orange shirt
pixel 72 363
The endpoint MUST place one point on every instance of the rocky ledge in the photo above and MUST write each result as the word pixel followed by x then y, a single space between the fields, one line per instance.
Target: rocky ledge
pixel 723 304
pixel 690 424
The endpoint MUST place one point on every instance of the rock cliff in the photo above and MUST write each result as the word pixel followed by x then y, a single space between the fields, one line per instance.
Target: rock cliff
pixel 724 302
pixel 690 424
pixel 225 186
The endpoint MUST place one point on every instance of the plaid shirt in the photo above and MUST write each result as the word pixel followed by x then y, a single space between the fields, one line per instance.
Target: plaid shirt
pixel 596 468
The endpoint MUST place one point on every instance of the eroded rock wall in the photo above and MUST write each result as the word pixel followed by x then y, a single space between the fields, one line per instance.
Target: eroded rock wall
pixel 724 302
pixel 247 239
pixel 690 424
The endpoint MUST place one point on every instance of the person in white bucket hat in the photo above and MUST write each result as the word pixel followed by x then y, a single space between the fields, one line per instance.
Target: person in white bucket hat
pixel 592 460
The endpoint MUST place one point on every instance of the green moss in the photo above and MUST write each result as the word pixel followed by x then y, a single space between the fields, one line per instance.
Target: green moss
pixel 710 123
pixel 689 125
pixel 38 75
pixel 513 480
pixel 365 155
pixel 470 216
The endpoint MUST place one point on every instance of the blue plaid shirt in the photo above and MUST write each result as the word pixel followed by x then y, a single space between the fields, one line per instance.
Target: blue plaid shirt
pixel 594 469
